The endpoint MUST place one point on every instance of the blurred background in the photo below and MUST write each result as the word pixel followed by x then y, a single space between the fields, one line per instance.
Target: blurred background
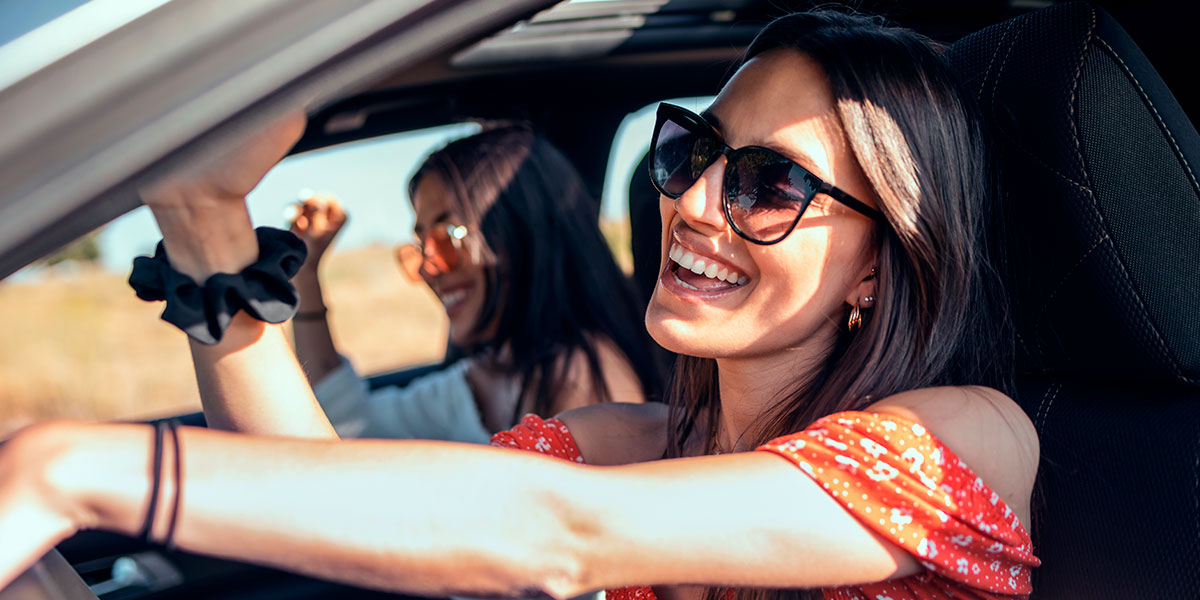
pixel 75 342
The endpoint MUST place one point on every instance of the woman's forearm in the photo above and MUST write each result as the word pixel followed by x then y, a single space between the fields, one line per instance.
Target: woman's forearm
pixel 379 514
pixel 249 381
pixel 438 518
pixel 314 342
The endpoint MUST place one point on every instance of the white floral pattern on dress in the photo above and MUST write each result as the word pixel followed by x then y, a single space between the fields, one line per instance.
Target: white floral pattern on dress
pixel 934 507
pixel 920 496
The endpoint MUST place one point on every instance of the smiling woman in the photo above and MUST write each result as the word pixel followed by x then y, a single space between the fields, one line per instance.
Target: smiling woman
pixel 900 467
pixel 508 240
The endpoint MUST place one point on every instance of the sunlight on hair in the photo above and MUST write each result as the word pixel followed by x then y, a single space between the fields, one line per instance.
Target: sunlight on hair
pixel 883 154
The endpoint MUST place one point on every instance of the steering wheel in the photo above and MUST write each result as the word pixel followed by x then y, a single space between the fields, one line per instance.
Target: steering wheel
pixel 50 578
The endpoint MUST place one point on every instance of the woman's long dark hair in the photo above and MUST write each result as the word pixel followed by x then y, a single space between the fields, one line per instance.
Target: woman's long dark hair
pixel 940 317
pixel 553 288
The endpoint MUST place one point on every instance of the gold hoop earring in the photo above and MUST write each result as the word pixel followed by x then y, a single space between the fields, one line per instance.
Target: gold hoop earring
pixel 855 321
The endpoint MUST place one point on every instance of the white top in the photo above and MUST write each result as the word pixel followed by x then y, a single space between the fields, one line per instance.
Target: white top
pixel 438 406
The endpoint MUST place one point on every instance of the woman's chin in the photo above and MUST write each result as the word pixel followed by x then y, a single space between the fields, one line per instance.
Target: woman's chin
pixel 677 335
pixel 461 336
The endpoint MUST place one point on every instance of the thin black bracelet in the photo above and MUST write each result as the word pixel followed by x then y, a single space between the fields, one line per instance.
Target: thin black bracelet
pixel 169 540
pixel 155 482
pixel 311 315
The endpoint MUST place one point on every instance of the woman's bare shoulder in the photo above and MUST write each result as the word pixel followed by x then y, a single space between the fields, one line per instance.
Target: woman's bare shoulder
pixel 618 433
pixel 619 377
pixel 984 427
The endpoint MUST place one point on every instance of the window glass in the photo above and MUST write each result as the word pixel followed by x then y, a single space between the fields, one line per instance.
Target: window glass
pixel 79 344
pixel 630 145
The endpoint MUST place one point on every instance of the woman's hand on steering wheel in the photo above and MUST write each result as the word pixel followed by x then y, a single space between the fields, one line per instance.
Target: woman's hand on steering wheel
pixel 34 516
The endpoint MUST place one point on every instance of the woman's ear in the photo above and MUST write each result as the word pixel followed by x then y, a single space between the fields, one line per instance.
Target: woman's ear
pixel 863 294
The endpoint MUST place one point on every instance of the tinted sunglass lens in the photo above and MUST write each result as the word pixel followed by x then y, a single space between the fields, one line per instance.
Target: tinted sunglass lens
pixel 765 194
pixel 671 164
pixel 436 255
pixel 441 252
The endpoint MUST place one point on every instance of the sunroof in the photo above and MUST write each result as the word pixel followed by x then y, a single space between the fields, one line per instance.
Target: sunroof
pixel 588 29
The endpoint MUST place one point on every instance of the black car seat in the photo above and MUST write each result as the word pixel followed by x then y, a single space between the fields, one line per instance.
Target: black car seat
pixel 645 225
pixel 1100 169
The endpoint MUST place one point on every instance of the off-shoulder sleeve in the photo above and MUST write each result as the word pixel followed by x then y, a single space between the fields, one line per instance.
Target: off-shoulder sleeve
pixel 900 481
pixel 544 436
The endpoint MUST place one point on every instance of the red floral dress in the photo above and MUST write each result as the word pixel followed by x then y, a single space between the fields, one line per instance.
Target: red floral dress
pixel 895 478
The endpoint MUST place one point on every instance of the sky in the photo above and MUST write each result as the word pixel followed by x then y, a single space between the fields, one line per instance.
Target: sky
pixel 369 177
pixel 19 16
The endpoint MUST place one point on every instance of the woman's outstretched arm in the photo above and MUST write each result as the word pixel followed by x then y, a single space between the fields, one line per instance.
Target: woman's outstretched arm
pixel 250 380
pixel 440 518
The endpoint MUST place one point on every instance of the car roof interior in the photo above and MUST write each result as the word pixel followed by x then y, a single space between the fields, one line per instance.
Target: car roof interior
pixel 576 70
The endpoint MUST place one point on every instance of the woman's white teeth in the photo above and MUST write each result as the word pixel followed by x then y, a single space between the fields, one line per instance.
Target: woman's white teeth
pixel 710 268
pixel 452 298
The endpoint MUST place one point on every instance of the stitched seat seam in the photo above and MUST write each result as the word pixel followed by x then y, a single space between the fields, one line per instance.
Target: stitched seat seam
pixel 1157 117
pixel 1083 53
pixel 1044 407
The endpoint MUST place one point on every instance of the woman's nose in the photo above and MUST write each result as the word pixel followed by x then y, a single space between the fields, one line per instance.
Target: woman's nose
pixel 700 205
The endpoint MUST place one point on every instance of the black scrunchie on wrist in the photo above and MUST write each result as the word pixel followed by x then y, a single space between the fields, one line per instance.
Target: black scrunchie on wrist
pixel 263 289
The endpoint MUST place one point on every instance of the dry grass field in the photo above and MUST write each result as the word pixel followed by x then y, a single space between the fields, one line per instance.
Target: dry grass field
pixel 81 345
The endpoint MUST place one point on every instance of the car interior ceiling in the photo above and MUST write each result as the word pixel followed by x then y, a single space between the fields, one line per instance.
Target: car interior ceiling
pixel 668 49
pixel 1098 161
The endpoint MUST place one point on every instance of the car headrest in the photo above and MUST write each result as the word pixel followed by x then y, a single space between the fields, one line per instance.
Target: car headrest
pixel 646 226
pixel 1100 168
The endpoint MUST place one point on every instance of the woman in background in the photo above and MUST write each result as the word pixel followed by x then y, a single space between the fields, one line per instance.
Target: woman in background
pixel 508 240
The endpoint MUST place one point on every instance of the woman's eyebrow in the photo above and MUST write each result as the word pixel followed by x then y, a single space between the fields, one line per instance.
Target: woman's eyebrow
pixel 793 154
pixel 418 228
pixel 797 156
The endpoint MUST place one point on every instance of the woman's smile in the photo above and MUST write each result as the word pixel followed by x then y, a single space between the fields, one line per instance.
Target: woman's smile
pixel 452 296
pixel 698 276
pixel 719 276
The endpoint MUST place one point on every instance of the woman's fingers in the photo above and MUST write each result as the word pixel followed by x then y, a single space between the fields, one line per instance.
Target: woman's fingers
pixel 300 225
pixel 240 170
pixel 232 174
pixel 336 215
pixel 319 217
pixel 33 517
pixel 28 532
pixel 318 220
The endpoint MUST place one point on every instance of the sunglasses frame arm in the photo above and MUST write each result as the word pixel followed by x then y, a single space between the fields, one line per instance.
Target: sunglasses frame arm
pixel 851 202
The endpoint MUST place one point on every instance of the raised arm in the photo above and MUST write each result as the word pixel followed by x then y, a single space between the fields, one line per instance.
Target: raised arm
pixel 318 222
pixel 250 380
